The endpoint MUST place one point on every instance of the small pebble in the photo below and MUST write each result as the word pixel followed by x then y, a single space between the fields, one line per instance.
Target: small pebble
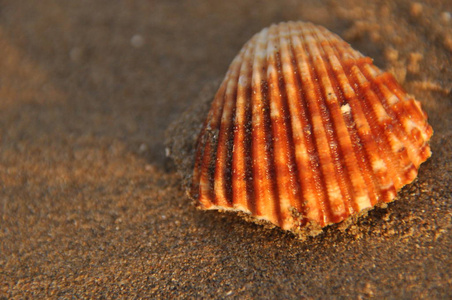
pixel 413 64
pixel 448 42
pixel 137 41
pixel 391 54
pixel 445 17
pixel 143 147
pixel 416 9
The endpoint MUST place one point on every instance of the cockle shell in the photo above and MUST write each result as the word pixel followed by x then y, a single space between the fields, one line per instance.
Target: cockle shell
pixel 305 132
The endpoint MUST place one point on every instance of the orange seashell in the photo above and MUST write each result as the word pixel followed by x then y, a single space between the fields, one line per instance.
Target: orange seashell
pixel 305 132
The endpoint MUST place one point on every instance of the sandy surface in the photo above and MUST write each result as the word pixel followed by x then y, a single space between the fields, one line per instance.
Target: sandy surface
pixel 90 207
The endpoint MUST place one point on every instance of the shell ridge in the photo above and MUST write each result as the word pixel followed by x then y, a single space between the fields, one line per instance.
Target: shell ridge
pixel 311 177
pixel 206 193
pixel 315 119
pixel 194 189
pixel 397 111
pixel 355 173
pixel 361 195
pixel 249 175
pixel 380 129
pixel 202 143
pixel 382 147
pixel 206 188
pixel 270 127
pixel 388 90
pixel 264 197
pixel 337 127
pixel 308 174
pixel 286 82
pixel 348 99
pixel 365 135
pixel 306 81
pixel 223 150
pixel 241 183
pixel 323 135
pixel 248 143
pixel 382 86
pixel 287 188
pixel 394 129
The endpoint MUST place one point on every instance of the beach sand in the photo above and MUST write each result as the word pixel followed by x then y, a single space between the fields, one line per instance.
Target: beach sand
pixel 90 207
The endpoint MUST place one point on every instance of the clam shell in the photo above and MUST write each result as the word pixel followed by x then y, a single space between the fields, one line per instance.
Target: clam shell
pixel 305 132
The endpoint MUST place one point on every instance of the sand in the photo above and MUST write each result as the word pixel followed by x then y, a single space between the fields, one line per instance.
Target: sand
pixel 91 208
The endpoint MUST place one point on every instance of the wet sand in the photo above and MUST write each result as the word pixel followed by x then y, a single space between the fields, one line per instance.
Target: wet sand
pixel 90 207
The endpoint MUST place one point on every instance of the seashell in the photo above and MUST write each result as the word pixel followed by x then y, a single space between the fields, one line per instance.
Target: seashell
pixel 305 131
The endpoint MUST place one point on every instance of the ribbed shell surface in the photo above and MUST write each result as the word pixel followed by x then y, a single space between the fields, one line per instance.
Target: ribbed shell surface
pixel 304 129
